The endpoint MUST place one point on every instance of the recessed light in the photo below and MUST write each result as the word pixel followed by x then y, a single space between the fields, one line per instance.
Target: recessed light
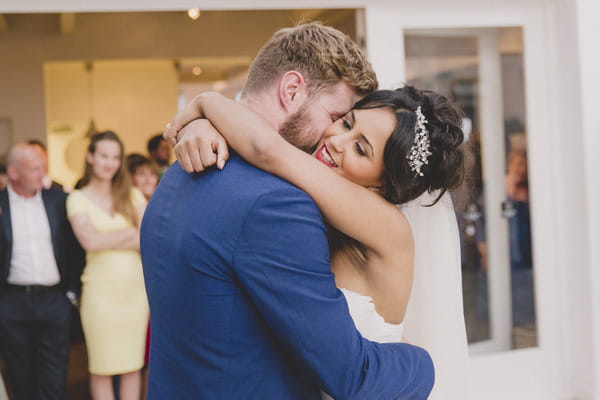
pixel 193 13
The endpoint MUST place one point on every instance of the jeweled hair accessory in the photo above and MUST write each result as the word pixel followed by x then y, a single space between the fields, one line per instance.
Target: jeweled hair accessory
pixel 419 153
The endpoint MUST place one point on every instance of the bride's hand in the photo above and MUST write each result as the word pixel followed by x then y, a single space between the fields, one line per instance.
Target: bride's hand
pixel 193 110
pixel 197 144
pixel 200 146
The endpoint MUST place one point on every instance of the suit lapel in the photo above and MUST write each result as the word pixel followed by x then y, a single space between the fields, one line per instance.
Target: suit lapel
pixel 5 216
pixel 6 235
pixel 52 217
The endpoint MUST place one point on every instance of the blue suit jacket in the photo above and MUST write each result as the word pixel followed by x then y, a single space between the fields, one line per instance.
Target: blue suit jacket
pixel 243 302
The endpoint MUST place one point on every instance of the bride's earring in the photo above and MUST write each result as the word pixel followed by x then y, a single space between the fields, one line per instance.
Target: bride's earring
pixel 374 188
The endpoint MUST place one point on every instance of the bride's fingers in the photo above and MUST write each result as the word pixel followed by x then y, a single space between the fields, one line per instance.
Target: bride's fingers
pixel 222 151
pixel 170 134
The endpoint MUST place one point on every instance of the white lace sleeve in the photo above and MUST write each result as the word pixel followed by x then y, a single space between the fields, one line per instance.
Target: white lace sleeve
pixel 434 317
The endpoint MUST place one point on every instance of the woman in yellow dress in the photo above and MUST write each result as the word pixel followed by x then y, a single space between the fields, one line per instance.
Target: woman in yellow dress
pixel 105 214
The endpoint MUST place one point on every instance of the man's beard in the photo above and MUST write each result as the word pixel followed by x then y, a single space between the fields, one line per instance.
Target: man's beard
pixel 296 130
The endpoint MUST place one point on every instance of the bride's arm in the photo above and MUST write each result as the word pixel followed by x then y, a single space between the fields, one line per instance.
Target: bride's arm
pixel 350 208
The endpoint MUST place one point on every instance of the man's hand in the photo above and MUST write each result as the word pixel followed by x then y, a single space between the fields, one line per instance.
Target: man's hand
pixel 199 146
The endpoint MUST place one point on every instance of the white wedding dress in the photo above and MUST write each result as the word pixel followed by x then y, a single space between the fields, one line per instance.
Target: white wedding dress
pixel 434 317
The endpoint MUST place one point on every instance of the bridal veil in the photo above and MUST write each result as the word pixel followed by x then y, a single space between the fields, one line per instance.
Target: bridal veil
pixel 434 318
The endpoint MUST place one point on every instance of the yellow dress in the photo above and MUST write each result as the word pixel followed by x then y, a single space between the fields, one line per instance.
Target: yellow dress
pixel 114 307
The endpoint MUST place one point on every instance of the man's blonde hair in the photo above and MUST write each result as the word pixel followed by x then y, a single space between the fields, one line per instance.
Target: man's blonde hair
pixel 321 53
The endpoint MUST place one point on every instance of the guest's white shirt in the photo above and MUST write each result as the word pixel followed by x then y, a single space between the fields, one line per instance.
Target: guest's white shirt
pixel 32 261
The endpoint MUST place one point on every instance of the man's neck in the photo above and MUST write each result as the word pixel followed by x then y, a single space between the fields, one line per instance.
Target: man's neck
pixel 19 190
pixel 265 104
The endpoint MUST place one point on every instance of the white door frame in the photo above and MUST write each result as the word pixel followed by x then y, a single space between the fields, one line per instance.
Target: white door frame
pixel 535 372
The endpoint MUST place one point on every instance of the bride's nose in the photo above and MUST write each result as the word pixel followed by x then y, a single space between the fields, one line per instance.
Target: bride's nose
pixel 337 142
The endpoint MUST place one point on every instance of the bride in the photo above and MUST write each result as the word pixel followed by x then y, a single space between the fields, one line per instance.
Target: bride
pixel 398 266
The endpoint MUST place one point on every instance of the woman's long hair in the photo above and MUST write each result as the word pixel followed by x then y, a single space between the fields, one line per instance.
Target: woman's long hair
pixel 121 182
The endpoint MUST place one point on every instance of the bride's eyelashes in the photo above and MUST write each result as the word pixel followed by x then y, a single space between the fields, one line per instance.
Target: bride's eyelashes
pixel 360 150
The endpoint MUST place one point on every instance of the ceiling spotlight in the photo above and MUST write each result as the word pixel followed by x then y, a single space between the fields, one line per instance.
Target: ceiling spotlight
pixel 193 13
pixel 219 85
pixel 196 70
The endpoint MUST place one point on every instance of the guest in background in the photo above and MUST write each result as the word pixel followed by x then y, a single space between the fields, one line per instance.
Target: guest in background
pixel 519 228
pixel 41 262
pixel 144 173
pixel 105 214
pixel 48 182
pixel 3 176
pixel 160 153
pixel 516 209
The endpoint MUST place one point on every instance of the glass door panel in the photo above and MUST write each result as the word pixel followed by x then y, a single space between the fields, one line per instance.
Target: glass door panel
pixel 482 71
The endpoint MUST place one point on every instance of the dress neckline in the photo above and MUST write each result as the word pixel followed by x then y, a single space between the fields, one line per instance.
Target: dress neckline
pixel 89 200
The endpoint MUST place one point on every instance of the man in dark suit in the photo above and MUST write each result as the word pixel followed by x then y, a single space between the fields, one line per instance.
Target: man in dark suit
pixel 236 262
pixel 40 266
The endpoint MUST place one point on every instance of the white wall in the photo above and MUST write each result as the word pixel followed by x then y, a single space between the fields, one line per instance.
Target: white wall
pixel 134 98
pixel 569 201
pixel 588 29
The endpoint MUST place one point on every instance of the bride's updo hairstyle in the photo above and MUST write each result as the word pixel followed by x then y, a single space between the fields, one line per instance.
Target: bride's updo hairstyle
pixel 445 167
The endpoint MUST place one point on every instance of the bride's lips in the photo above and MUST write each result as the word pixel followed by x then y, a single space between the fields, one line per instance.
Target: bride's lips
pixel 324 156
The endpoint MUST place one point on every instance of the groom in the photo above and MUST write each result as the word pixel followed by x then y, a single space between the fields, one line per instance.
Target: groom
pixel 243 302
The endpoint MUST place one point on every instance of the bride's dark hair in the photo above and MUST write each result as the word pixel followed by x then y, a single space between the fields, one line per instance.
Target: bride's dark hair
pixel 445 168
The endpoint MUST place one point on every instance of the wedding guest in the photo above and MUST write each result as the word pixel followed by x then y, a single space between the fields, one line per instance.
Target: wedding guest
pixel 3 176
pixel 39 279
pixel 105 214
pixel 143 172
pixel 519 227
pixel 519 230
pixel 160 153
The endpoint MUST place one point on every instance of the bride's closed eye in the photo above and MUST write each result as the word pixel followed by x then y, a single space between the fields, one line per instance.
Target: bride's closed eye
pixel 360 150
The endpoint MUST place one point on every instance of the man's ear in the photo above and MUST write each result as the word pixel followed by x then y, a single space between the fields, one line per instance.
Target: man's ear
pixel 293 91
pixel 12 173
